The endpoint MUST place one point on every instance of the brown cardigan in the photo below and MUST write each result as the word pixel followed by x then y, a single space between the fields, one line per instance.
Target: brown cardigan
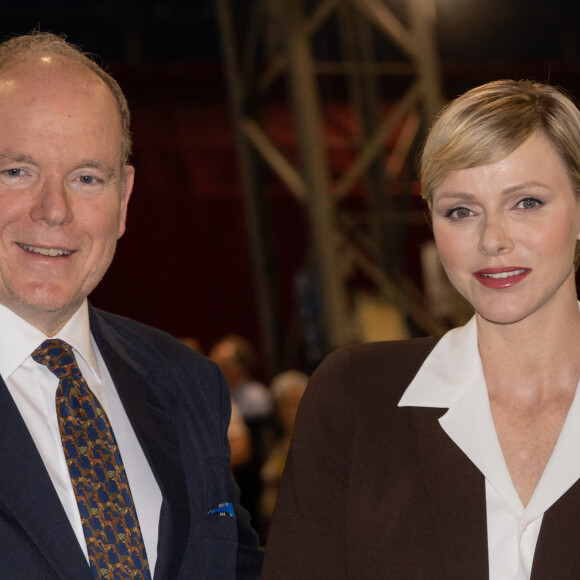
pixel 374 491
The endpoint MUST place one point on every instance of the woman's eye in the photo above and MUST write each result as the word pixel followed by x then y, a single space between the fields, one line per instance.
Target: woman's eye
pixel 458 213
pixel 529 203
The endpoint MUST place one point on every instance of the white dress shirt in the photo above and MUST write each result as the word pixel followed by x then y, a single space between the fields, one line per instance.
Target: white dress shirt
pixel 33 388
pixel 452 377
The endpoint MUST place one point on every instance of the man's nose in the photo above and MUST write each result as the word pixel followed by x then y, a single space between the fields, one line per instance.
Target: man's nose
pixel 52 204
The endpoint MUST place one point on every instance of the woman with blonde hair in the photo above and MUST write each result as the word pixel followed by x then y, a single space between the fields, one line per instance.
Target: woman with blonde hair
pixel 458 457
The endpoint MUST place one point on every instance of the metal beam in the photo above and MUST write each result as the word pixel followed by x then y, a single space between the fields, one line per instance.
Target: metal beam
pixel 422 19
pixel 381 148
pixel 376 142
pixel 255 199
pixel 379 13
pixel 321 208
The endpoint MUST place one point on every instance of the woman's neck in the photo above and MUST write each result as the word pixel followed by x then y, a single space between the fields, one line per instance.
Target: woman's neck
pixel 538 353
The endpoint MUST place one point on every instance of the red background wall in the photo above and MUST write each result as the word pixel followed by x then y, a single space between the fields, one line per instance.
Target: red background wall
pixel 183 265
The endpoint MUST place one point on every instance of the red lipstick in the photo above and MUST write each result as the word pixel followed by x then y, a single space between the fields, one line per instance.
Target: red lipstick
pixel 499 278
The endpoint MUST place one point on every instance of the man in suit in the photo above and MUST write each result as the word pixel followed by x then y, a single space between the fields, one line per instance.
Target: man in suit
pixel 163 503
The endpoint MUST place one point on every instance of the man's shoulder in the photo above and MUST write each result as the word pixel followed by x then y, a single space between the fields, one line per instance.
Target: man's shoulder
pixel 126 326
pixel 165 361
pixel 113 327
pixel 144 341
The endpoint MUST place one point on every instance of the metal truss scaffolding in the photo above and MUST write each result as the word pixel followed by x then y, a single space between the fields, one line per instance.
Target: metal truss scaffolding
pixel 316 50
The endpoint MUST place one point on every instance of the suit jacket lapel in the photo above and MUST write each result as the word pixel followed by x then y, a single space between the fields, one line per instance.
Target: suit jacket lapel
pixel 558 548
pixel 149 414
pixel 27 492
pixel 457 492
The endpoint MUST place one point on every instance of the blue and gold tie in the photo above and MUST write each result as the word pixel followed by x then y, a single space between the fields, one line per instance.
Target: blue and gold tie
pixel 108 515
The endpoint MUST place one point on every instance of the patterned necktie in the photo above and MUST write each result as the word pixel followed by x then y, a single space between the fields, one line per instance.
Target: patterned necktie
pixel 100 484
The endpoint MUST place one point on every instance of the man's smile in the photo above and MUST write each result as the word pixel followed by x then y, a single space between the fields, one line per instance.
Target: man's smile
pixel 51 252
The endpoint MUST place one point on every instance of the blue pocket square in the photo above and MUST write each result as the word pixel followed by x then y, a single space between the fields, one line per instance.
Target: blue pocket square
pixel 223 509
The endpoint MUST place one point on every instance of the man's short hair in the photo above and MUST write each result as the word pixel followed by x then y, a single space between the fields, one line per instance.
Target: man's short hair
pixel 36 44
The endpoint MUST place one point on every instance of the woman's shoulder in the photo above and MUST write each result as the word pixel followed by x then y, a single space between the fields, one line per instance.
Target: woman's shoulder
pixel 380 367
pixel 392 354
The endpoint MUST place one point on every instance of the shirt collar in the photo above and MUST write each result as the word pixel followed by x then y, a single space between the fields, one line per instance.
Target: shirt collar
pixel 452 377
pixel 18 339
pixel 447 371
pixel 77 332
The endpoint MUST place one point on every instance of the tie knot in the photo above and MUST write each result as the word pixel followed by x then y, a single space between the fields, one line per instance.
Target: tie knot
pixel 58 356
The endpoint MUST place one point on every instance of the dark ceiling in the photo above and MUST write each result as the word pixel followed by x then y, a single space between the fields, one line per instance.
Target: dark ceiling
pixel 182 30
pixel 123 30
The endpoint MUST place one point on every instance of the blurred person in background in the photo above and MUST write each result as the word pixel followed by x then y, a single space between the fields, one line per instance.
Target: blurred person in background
pixel 238 432
pixel 238 360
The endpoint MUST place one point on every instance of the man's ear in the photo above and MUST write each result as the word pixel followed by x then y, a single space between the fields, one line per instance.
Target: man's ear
pixel 129 180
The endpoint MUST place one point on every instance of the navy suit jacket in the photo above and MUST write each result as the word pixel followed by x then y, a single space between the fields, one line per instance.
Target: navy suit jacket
pixel 179 407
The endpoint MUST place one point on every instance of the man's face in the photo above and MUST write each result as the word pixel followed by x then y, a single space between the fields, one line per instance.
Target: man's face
pixel 63 198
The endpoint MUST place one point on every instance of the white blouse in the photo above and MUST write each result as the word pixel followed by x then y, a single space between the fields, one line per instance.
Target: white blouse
pixel 452 377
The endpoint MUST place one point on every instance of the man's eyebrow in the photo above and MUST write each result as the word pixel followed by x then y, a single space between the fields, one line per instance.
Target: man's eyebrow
pixel 96 164
pixel 8 157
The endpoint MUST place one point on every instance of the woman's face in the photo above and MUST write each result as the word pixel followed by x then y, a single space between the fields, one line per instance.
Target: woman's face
pixel 506 232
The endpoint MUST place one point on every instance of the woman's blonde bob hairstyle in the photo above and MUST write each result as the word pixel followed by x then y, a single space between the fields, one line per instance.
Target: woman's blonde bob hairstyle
pixel 489 122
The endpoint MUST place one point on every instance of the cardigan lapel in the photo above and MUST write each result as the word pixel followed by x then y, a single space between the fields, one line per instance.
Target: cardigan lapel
pixel 27 492
pixel 148 414
pixel 558 548
pixel 457 493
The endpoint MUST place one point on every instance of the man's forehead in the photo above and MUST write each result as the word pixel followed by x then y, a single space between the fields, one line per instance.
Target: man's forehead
pixel 37 82
pixel 43 103
pixel 53 74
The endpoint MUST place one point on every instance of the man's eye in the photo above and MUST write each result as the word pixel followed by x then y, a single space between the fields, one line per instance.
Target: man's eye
pixel 14 172
pixel 88 179
pixel 458 213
